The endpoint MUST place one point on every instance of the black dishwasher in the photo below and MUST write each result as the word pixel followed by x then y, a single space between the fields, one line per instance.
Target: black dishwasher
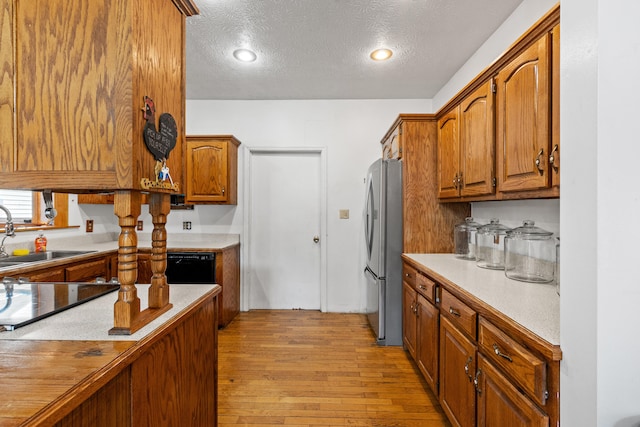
pixel 191 267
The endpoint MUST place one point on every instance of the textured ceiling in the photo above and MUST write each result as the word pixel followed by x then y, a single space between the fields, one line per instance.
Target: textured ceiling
pixel 319 49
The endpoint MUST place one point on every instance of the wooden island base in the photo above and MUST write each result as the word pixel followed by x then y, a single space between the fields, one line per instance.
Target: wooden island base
pixel 166 378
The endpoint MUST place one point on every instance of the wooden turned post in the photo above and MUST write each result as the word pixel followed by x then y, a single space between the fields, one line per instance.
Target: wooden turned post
pixel 127 307
pixel 159 207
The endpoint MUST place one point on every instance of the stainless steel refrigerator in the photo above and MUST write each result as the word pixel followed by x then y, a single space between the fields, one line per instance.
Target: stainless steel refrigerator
pixel 383 242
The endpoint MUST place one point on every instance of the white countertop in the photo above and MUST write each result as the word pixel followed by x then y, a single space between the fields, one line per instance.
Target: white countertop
pixel 92 320
pixel 534 306
pixel 104 242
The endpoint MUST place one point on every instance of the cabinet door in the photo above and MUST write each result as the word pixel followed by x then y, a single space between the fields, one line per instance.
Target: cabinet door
pixel 457 369
pixel 501 404
pixel 144 268
pixel 522 120
pixel 427 341
pixel 207 171
pixel 477 142
pixel 554 157
pixel 409 327
pixel 448 155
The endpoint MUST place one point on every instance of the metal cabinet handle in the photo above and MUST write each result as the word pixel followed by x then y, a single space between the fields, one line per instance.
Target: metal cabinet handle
pixel 316 239
pixel 552 158
pixel 460 182
pixel 455 181
pixel 538 161
pixel 466 368
pixel 223 190
pixel 454 312
pixel 476 381
pixel 497 351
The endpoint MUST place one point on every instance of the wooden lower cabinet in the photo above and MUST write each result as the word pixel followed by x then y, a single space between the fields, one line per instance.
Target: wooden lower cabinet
pixel 484 371
pixel 428 321
pixel 409 321
pixel 47 275
pixel 144 267
pixel 502 404
pixel 228 276
pixel 172 381
pixel 457 370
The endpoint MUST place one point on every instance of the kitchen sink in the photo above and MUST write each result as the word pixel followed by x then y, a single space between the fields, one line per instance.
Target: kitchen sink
pixel 39 256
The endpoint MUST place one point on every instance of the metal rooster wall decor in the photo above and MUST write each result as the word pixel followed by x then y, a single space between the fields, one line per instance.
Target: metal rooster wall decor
pixel 159 142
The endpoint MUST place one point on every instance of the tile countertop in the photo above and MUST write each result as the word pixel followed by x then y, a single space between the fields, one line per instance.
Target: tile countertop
pixel 92 320
pixel 534 306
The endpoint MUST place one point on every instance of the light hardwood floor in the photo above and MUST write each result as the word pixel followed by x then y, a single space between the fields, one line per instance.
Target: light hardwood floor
pixel 306 368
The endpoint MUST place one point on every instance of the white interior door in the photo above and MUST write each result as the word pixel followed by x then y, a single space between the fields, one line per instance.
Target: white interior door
pixel 285 229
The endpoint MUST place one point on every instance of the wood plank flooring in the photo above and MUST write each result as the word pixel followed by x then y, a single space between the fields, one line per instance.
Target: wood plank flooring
pixel 306 368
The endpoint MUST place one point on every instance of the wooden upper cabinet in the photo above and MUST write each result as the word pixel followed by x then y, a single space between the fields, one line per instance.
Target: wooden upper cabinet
pixel 449 154
pixel 477 142
pixel 392 146
pixel 74 78
pixel 466 146
pixel 554 156
pixel 212 169
pixel 522 119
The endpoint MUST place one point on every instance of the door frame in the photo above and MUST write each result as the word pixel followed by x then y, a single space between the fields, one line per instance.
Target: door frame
pixel 249 153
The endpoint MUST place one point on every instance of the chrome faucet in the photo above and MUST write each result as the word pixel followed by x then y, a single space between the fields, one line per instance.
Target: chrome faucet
pixel 9 231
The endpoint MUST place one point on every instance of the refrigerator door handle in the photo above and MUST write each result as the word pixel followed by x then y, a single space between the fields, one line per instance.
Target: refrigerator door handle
pixel 368 225
pixel 369 273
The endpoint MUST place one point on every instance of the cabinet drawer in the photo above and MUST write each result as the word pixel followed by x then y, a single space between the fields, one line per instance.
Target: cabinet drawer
pixel 87 271
pixel 459 313
pixel 409 275
pixel 426 287
pixel 525 368
pixel 49 275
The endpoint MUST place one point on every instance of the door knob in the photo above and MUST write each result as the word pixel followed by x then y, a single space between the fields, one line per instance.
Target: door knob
pixel 316 239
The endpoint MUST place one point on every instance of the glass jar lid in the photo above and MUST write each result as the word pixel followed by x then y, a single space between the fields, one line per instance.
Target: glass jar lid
pixel 494 227
pixel 468 224
pixel 529 230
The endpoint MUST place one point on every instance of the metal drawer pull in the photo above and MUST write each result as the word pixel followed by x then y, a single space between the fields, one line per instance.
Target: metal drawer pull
pixel 497 351
pixel 422 287
pixel 476 381
pixel 538 162
pixel 454 312
pixel 466 368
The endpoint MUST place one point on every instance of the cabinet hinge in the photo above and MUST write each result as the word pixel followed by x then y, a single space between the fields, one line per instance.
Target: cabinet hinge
pixel 493 181
pixel 546 394
pixel 493 86
pixel 400 129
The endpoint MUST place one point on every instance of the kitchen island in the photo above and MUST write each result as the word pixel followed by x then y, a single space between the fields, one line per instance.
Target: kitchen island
pixel 66 370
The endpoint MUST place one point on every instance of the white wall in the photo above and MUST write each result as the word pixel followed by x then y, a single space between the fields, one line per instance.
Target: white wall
pixel 350 130
pixel 600 66
pixel 514 26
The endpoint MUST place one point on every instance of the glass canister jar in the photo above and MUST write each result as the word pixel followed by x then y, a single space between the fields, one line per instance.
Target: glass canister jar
pixel 530 254
pixel 490 245
pixel 464 236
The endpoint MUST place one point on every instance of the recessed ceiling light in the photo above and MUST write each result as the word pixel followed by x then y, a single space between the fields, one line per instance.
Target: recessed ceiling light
pixel 244 55
pixel 381 54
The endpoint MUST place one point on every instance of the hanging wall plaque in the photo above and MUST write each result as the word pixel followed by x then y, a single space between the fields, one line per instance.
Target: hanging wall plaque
pixel 159 141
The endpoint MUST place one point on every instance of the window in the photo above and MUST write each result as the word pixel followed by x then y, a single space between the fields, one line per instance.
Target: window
pixel 27 209
pixel 19 203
